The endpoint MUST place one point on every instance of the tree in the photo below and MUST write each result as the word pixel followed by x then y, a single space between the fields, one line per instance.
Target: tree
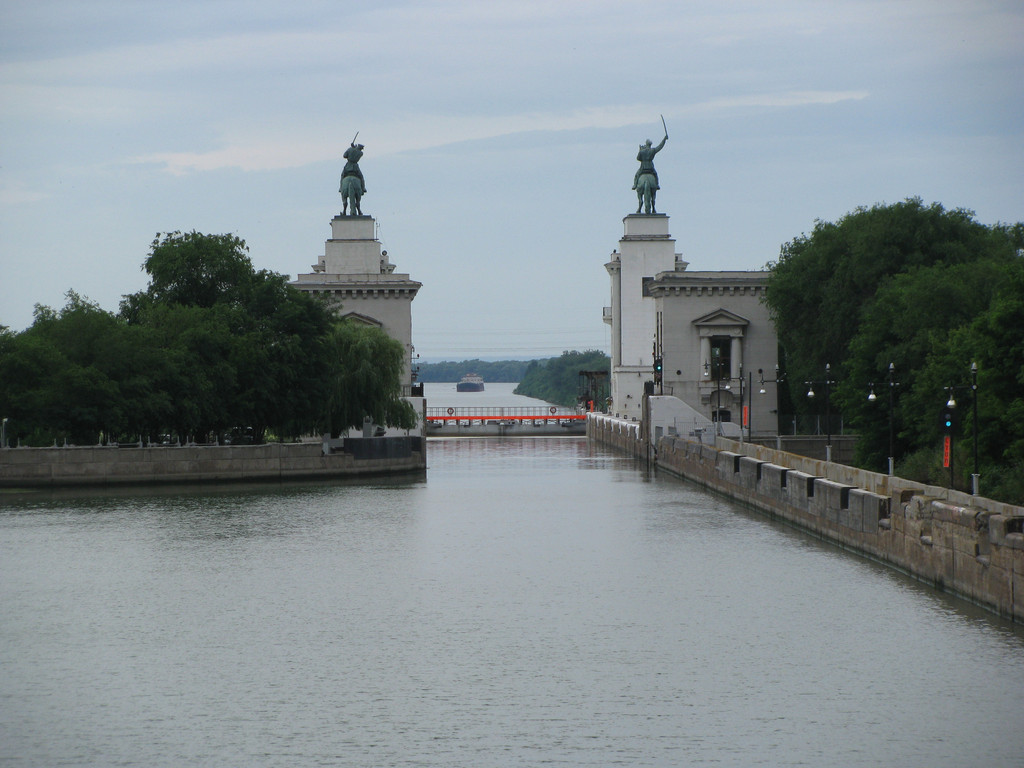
pixel 930 291
pixel 199 270
pixel 61 375
pixel 248 350
pixel 835 272
pixel 365 380
pixel 556 380
pixel 905 323
pixel 994 342
pixel 211 345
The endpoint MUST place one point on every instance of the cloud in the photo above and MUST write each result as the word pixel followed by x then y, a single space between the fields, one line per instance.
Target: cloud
pixel 278 148
pixel 17 194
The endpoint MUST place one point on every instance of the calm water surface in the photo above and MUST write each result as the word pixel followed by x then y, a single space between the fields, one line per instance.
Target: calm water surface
pixel 531 601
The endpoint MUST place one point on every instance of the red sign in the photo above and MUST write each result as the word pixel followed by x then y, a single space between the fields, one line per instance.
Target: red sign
pixel 746 416
pixel 945 450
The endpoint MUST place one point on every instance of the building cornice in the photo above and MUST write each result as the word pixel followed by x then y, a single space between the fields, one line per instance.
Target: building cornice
pixel 359 288
pixel 710 283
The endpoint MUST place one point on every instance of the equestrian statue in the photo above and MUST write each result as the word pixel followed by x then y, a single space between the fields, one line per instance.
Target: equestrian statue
pixel 645 182
pixel 353 186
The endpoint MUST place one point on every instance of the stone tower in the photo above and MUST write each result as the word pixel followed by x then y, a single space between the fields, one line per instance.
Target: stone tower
pixel 357 277
pixel 645 250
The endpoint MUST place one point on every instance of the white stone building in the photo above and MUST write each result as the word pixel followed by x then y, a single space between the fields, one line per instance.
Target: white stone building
pixel 645 250
pixel 710 330
pixel 717 342
pixel 357 276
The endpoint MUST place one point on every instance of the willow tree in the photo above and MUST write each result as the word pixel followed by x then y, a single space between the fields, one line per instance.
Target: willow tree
pixel 365 379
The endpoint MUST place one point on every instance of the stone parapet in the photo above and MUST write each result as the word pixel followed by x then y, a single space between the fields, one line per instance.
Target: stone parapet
pixel 618 433
pixel 969 546
pixel 110 466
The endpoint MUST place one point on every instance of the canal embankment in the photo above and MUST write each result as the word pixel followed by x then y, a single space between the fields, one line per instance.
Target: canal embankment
pixel 101 466
pixel 967 545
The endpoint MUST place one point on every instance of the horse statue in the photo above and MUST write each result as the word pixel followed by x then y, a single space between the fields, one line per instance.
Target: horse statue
pixel 351 192
pixel 353 186
pixel 646 192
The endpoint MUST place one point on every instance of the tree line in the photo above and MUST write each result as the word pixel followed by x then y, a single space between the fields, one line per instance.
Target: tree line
pixel 212 346
pixel 557 380
pixel 490 370
pixel 930 291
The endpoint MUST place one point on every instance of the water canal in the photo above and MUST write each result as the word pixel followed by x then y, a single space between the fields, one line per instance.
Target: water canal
pixel 531 601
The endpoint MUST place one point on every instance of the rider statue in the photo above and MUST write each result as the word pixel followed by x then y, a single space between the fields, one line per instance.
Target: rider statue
pixel 645 181
pixel 352 155
pixel 646 158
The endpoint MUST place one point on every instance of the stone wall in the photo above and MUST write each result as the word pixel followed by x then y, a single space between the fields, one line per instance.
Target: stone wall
pixel 970 546
pixel 108 466
pixel 618 433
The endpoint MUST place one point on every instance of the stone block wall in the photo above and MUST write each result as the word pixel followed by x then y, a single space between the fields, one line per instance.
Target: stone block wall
pixel 966 545
pixel 106 466
pixel 620 434
pixel 970 546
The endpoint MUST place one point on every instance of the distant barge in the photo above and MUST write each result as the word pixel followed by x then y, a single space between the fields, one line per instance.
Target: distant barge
pixel 470 383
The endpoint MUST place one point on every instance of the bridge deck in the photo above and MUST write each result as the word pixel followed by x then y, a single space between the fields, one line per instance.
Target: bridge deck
pixel 496 415
pixel 488 415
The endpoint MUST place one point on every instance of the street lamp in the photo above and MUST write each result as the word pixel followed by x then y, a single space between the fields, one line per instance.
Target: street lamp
pixel 779 378
pixel 976 477
pixel 890 379
pixel 951 403
pixel 828 382
pixel 717 369
pixel 740 380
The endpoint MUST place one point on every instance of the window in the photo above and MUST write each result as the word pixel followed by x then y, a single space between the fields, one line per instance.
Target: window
pixel 721 357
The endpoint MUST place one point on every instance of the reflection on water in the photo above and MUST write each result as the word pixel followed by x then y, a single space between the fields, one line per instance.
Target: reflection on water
pixel 528 601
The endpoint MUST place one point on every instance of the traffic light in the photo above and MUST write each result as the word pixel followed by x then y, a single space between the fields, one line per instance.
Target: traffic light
pixel 948 420
pixel 657 368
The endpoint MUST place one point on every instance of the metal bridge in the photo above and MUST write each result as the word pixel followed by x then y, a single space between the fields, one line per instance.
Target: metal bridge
pixel 498 420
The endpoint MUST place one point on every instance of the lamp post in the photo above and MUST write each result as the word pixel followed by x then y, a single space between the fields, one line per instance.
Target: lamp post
pixel 976 477
pixel 740 380
pixel 3 433
pixel 828 411
pixel 950 424
pixel 750 405
pixel 951 403
pixel 890 379
pixel 715 367
pixel 779 378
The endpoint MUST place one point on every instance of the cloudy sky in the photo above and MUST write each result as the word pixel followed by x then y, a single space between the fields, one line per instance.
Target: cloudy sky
pixel 500 138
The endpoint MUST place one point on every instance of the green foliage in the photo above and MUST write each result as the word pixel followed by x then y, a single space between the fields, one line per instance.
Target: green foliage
pixel 930 291
pixel 556 380
pixel 248 349
pixel 210 346
pixel 200 270
pixel 60 378
pixel 367 384
pixel 498 370
pixel 834 273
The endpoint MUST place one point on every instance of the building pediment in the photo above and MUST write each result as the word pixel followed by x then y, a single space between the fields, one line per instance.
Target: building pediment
pixel 719 318
pixel 362 319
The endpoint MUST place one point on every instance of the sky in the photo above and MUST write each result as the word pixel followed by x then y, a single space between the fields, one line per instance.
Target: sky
pixel 500 139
